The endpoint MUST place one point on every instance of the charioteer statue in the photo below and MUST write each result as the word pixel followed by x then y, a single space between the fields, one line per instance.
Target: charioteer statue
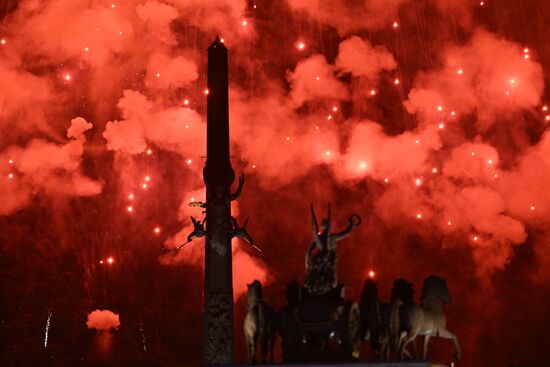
pixel 321 264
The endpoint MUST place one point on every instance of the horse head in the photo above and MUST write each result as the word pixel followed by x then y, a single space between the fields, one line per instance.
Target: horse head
pixel 403 290
pixel 254 293
pixel 435 289
pixel 370 291
pixel 292 293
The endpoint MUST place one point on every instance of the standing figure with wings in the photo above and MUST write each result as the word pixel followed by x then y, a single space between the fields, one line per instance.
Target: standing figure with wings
pixel 321 256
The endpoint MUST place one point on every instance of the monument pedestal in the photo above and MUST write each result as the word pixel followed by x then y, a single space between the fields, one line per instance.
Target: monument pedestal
pixel 355 364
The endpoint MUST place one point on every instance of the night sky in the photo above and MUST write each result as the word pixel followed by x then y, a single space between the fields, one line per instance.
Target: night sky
pixel 427 118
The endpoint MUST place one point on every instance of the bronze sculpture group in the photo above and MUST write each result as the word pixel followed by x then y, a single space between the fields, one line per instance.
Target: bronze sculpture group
pixel 318 323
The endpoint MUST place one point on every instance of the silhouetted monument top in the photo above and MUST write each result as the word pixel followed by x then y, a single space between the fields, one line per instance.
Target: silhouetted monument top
pixel 217 112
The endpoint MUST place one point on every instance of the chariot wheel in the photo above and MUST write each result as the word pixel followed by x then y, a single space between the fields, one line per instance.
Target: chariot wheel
pixel 351 325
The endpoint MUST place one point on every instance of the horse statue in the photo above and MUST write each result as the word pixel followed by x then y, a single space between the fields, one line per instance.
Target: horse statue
pixel 259 324
pixel 428 319
pixel 288 321
pixel 382 323
pixel 371 315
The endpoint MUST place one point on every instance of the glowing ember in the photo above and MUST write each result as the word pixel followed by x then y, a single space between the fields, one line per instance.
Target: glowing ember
pixel 157 230
pixel 110 260
pixel 130 209
pixel 371 274
pixel 300 45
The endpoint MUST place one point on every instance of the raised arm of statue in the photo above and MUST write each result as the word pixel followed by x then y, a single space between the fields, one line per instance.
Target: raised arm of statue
pixel 237 192
pixel 314 225
pixel 353 222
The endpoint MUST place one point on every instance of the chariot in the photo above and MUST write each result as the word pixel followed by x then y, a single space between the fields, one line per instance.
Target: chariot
pixel 321 327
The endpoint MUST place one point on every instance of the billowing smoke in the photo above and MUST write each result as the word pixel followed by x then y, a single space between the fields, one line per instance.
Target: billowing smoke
pixel 427 118
pixel 103 320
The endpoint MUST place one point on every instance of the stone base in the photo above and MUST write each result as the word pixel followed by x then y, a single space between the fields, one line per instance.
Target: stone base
pixel 354 364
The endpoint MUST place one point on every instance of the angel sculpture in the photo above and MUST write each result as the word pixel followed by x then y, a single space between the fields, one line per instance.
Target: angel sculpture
pixel 321 268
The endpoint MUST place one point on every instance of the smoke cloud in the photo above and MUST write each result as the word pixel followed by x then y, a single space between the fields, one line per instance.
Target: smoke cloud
pixel 103 320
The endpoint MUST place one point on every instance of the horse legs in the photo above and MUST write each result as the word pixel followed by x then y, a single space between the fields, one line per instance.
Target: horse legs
pixel 251 348
pixel 444 333
pixel 271 346
pixel 409 339
pixel 415 349
pixel 425 349
pixel 264 347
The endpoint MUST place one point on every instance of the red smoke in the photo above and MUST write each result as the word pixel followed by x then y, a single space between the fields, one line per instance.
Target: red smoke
pixel 428 118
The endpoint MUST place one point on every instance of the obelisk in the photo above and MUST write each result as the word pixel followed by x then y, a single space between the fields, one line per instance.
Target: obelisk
pixel 218 177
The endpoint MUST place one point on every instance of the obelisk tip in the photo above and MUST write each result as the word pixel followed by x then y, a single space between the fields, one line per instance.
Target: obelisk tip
pixel 217 42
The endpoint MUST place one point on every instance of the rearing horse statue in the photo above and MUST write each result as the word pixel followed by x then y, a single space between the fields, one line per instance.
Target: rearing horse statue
pixel 428 318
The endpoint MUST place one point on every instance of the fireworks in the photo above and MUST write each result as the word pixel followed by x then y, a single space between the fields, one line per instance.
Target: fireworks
pixel 47 332
pixel 407 104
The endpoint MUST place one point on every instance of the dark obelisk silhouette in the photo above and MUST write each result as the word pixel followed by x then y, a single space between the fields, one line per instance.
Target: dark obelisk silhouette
pixel 218 177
